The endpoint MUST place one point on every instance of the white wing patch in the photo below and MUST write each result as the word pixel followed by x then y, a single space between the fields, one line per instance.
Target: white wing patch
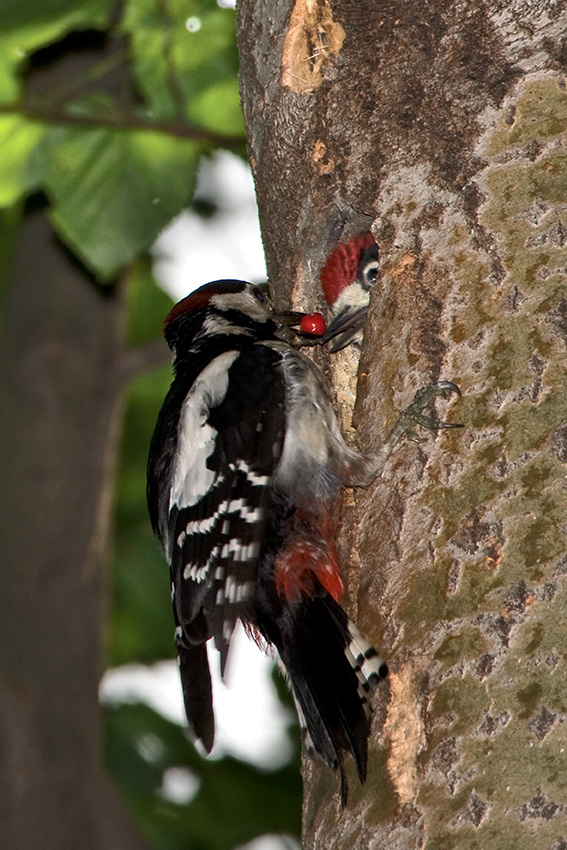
pixel 253 477
pixel 196 439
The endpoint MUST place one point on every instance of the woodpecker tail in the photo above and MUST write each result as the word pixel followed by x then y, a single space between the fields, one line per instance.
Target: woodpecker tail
pixel 197 692
pixel 332 669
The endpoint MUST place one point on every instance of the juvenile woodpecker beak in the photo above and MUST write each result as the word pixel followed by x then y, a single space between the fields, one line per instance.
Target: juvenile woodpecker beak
pixel 345 327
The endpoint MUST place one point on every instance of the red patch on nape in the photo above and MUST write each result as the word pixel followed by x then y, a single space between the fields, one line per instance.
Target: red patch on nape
pixel 200 298
pixel 341 268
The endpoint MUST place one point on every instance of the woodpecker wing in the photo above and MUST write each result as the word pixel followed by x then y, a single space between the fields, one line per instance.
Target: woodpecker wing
pixel 229 441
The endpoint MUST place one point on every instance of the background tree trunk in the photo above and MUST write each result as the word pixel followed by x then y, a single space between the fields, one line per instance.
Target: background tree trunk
pixel 444 127
pixel 60 387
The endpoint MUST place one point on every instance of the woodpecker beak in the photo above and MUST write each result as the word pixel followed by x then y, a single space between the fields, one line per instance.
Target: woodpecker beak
pixel 345 328
pixel 288 318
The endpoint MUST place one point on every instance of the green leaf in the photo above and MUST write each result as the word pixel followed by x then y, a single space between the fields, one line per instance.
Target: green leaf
pixel 149 32
pixel 18 138
pixel 218 109
pixel 27 25
pixel 112 191
pixel 181 51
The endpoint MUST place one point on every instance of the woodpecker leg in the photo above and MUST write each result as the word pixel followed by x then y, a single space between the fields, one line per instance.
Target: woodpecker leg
pixel 363 475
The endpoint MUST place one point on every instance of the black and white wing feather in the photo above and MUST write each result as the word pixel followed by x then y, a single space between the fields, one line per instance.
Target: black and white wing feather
pixel 209 488
pixel 230 435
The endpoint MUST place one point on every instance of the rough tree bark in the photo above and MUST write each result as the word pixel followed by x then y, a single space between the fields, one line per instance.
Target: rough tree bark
pixel 60 385
pixel 443 127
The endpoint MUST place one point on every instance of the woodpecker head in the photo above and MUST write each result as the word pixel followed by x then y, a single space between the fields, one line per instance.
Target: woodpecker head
pixel 347 278
pixel 223 308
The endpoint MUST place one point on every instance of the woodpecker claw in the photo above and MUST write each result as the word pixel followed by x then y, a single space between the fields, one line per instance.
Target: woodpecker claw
pixel 423 397
pixel 448 387
pixel 413 414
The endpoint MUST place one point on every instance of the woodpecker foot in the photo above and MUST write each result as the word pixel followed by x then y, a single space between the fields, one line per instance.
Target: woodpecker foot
pixel 413 414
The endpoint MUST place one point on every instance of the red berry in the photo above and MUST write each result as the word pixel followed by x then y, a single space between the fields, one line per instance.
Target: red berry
pixel 313 323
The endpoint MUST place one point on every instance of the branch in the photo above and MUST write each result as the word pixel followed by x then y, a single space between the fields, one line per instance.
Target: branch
pixel 121 121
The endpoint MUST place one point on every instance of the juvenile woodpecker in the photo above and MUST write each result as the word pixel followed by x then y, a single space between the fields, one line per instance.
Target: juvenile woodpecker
pixel 244 477
pixel 347 278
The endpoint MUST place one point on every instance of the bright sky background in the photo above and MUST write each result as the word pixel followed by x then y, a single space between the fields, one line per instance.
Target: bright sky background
pixel 251 723
pixel 194 250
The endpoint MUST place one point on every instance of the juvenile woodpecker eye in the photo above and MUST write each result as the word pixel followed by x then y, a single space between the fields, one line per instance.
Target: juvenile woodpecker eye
pixel 370 274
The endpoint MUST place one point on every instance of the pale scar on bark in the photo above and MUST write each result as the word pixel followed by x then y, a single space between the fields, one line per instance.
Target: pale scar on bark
pixel 312 40
pixel 405 731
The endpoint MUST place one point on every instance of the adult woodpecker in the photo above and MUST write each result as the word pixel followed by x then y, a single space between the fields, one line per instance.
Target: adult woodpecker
pixel 347 278
pixel 245 471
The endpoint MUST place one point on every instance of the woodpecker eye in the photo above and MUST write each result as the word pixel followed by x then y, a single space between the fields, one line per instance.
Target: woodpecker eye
pixel 260 295
pixel 370 274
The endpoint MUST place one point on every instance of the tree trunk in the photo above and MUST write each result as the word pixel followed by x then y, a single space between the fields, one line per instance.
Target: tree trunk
pixel 441 126
pixel 60 390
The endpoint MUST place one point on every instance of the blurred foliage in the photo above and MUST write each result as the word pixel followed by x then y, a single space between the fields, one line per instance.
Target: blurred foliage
pixel 235 802
pixel 106 109
pixel 141 628
pixel 114 138
pixel 28 25
pixel 111 192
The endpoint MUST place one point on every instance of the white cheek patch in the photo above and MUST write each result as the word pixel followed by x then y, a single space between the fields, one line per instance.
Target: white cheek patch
pixel 352 296
pixel 243 302
pixel 196 439
pixel 215 324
